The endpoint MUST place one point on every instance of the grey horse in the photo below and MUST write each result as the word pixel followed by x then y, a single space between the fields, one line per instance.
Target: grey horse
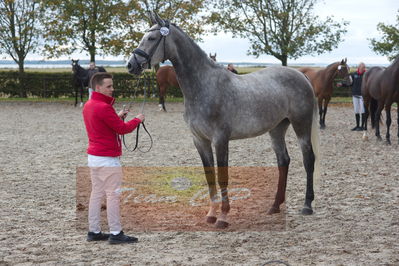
pixel 221 106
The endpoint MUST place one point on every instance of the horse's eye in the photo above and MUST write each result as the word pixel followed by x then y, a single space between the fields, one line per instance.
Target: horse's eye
pixel 151 38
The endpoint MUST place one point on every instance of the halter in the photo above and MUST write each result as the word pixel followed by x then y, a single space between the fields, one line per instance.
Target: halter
pixel 164 31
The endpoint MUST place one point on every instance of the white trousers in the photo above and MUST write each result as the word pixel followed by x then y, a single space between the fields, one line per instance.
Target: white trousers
pixel 106 180
pixel 358 104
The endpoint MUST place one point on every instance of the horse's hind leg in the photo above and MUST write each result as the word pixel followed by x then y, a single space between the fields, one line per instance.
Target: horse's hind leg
pixel 204 149
pixel 283 160
pixel 377 120
pixel 303 131
pixel 320 103
pixel 388 121
pixel 81 96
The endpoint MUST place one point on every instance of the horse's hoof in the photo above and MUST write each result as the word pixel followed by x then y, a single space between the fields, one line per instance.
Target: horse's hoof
pixel 222 224
pixel 379 138
pixel 322 126
pixel 307 211
pixel 388 142
pixel 211 219
pixel 273 210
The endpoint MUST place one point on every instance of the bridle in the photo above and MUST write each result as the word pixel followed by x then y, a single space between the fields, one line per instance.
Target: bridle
pixel 164 31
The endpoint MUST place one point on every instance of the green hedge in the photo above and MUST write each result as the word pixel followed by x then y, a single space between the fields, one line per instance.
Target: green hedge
pixel 55 85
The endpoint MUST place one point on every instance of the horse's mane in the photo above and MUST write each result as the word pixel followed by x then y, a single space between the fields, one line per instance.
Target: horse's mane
pixel 197 46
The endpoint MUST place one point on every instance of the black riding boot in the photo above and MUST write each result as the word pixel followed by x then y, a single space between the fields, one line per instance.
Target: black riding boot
pixel 357 123
pixel 363 121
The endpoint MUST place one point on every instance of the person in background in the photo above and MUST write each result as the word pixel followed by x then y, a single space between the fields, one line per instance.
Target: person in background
pixel 104 127
pixel 357 99
pixel 92 70
pixel 231 68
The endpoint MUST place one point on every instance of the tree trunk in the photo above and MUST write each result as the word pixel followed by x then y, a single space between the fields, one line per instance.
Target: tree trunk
pixel 284 60
pixel 22 79
pixel 92 56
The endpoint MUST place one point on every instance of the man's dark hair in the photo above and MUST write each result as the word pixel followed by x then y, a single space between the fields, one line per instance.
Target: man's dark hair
pixel 98 78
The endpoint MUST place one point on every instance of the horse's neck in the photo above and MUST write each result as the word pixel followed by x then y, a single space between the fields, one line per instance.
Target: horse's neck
pixel 330 73
pixel 394 69
pixel 191 65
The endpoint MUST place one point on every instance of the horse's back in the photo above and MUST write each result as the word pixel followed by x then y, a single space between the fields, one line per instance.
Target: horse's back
pixel 270 96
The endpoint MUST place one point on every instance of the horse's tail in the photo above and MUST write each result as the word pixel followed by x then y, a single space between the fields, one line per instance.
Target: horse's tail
pixel 315 139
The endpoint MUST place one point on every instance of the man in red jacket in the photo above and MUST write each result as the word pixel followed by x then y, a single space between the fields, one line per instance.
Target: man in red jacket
pixel 104 127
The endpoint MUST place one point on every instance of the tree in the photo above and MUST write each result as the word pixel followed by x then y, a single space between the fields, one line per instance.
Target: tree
pixel 112 27
pixel 184 13
pixel 389 45
pixel 19 31
pixel 82 25
pixel 281 28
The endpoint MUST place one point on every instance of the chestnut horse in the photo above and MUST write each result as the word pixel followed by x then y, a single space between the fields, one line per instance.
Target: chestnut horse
pixel 322 81
pixel 166 78
pixel 380 88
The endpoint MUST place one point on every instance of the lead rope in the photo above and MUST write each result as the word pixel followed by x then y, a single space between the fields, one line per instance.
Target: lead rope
pixel 138 127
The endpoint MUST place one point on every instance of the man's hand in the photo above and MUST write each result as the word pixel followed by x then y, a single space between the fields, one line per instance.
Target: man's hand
pixel 123 113
pixel 141 117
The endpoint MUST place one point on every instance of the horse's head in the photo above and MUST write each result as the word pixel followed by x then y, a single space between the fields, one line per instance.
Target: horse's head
pixel 151 50
pixel 343 71
pixel 75 65
pixel 213 57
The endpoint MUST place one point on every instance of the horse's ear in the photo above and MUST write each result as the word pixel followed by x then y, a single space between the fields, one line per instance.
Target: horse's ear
pixel 346 60
pixel 158 20
pixel 151 15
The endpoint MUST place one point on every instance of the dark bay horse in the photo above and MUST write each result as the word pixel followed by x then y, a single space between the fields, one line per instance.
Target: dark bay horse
pixel 166 78
pixel 221 106
pixel 81 78
pixel 322 81
pixel 380 88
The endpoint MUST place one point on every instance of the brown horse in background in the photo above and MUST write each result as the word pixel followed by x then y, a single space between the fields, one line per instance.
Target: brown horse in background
pixel 380 88
pixel 166 78
pixel 322 81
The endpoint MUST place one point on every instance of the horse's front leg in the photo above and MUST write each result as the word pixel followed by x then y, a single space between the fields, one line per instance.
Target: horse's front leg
pixel 222 156
pixel 326 101
pixel 397 103
pixel 204 149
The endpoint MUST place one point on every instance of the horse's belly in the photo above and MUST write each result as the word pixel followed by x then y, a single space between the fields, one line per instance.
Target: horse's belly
pixel 251 129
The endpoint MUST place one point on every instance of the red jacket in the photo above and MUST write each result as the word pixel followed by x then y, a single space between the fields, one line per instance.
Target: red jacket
pixel 104 126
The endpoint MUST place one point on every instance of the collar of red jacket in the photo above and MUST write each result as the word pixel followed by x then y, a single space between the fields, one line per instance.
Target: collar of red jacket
pixel 102 97
pixel 360 73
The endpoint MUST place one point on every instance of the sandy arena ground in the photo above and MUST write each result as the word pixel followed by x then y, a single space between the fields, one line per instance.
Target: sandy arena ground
pixel 356 220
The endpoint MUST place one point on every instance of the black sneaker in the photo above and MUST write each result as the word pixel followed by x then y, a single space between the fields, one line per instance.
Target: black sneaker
pixel 355 128
pixel 121 238
pixel 97 237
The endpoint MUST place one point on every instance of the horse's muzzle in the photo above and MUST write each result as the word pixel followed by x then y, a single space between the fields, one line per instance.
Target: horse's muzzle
pixel 134 66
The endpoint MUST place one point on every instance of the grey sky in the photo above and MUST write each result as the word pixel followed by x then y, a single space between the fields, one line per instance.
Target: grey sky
pixel 363 15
